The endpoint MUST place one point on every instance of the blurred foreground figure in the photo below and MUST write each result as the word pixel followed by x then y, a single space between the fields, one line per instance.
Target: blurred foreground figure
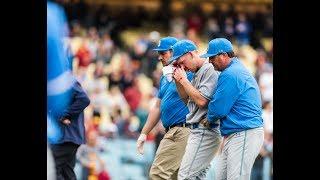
pixel 66 99
pixel 71 122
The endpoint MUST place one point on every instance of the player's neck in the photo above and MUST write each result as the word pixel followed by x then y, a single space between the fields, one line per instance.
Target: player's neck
pixel 199 63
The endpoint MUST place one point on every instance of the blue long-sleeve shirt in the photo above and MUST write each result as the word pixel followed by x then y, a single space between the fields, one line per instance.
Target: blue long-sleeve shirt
pixel 75 132
pixel 236 101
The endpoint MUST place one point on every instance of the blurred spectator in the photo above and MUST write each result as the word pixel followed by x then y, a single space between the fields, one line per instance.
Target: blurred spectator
pixel 128 127
pixel 99 70
pixel 262 168
pixel 138 52
pixel 142 114
pixel 262 64
pixel 133 95
pixel 151 59
pixel 117 99
pixel 115 78
pixel 212 28
pixel 179 34
pixel 242 30
pixel 178 24
pixel 193 36
pixel 88 156
pixel 268 154
pixel 267 115
pixel 84 55
pixel 99 98
pixel 109 129
pixel 107 48
pixel 195 22
pixel 266 85
pixel 93 43
pixel 228 28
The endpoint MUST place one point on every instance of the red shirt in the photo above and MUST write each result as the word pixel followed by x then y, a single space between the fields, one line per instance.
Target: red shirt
pixel 84 56
pixel 133 97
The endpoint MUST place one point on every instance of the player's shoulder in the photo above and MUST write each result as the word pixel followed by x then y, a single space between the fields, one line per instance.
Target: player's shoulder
pixel 209 70
pixel 161 78
pixel 206 65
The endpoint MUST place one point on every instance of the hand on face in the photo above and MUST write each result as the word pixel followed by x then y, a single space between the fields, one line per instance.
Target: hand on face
pixel 179 73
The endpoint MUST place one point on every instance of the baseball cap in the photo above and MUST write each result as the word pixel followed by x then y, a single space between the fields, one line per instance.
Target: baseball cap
pixel 217 46
pixel 166 43
pixel 181 48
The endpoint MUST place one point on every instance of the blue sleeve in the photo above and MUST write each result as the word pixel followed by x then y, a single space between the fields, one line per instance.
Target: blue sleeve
pixel 226 94
pixel 80 101
pixel 160 92
pixel 189 76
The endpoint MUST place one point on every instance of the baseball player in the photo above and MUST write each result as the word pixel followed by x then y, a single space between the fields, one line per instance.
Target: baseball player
pixel 237 103
pixel 172 112
pixel 204 139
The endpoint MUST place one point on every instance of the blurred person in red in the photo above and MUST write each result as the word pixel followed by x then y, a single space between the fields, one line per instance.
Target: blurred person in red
pixel 133 95
pixel 84 55
pixel 195 22
pixel 88 155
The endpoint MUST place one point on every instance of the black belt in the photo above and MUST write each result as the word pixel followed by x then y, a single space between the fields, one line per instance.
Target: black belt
pixel 196 125
pixel 178 125
pixel 188 125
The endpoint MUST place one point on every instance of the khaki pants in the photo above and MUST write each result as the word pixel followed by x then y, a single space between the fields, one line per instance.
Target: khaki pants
pixel 169 154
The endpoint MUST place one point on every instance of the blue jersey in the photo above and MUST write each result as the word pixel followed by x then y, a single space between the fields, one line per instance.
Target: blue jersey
pixel 173 109
pixel 236 101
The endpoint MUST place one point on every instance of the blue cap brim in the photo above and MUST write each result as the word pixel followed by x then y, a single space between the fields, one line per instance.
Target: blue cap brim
pixel 161 49
pixel 206 55
pixel 173 58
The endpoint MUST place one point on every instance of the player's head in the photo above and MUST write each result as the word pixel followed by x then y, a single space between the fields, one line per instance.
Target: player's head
pixel 219 52
pixel 184 53
pixel 164 49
